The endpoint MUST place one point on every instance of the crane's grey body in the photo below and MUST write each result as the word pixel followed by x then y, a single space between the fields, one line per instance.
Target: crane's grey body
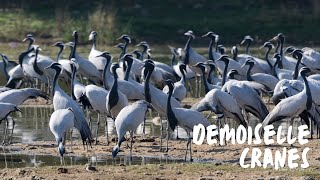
pixel 128 119
pixel 61 100
pixel 221 102
pixel 18 96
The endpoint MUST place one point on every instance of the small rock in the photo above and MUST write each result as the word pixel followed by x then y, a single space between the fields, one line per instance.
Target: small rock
pixel 62 170
pixel 159 178
pixel 217 163
pixel 205 178
pixel 33 147
pixel 179 172
pixel 36 178
pixel 147 174
pixel 161 166
pixel 280 178
pixel 91 168
pixel 260 178
pixel 121 164
pixel 308 178
pixel 272 178
pixel 21 172
pixel 147 140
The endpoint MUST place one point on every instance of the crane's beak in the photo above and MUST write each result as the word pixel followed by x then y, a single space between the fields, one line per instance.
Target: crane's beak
pixel 243 65
pixel 18 109
pixel 274 38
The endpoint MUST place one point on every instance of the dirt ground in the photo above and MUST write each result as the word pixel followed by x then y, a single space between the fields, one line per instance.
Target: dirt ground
pixel 226 167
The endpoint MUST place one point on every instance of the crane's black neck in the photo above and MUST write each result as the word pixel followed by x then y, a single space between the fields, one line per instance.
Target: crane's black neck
pixel 210 49
pixel 144 51
pixel 74 49
pixel 73 68
pixel 22 55
pixel 267 58
pixel 173 60
pixel 59 53
pixel 183 78
pixel 249 77
pixel 104 74
pixel 186 50
pixel 248 46
pixel 35 65
pixel 124 50
pixel 235 55
pixel 280 65
pixel 147 86
pixel 296 69
pixel 5 69
pixel 209 79
pixel 277 47
pixel 274 69
pixel 128 69
pixel 216 46
pixel 55 80
pixel 173 122
pixel 113 94
pixel 30 43
pixel 205 82
pixel 139 55
pixel 308 92
pixel 225 71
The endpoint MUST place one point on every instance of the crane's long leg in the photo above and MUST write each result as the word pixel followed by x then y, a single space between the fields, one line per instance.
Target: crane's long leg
pixel 167 149
pixel 90 119
pixel 71 140
pixel 131 134
pixel 209 115
pixel 177 133
pixel 311 128
pixel 5 131
pixel 144 127
pixel 197 87
pixel 200 87
pixel 107 131
pixel 98 123
pixel 161 132
pixel 189 141
pixel 62 161
pixel 190 87
pixel 13 124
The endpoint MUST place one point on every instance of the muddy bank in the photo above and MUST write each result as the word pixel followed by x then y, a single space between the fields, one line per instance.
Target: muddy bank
pixel 149 146
pixel 160 171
